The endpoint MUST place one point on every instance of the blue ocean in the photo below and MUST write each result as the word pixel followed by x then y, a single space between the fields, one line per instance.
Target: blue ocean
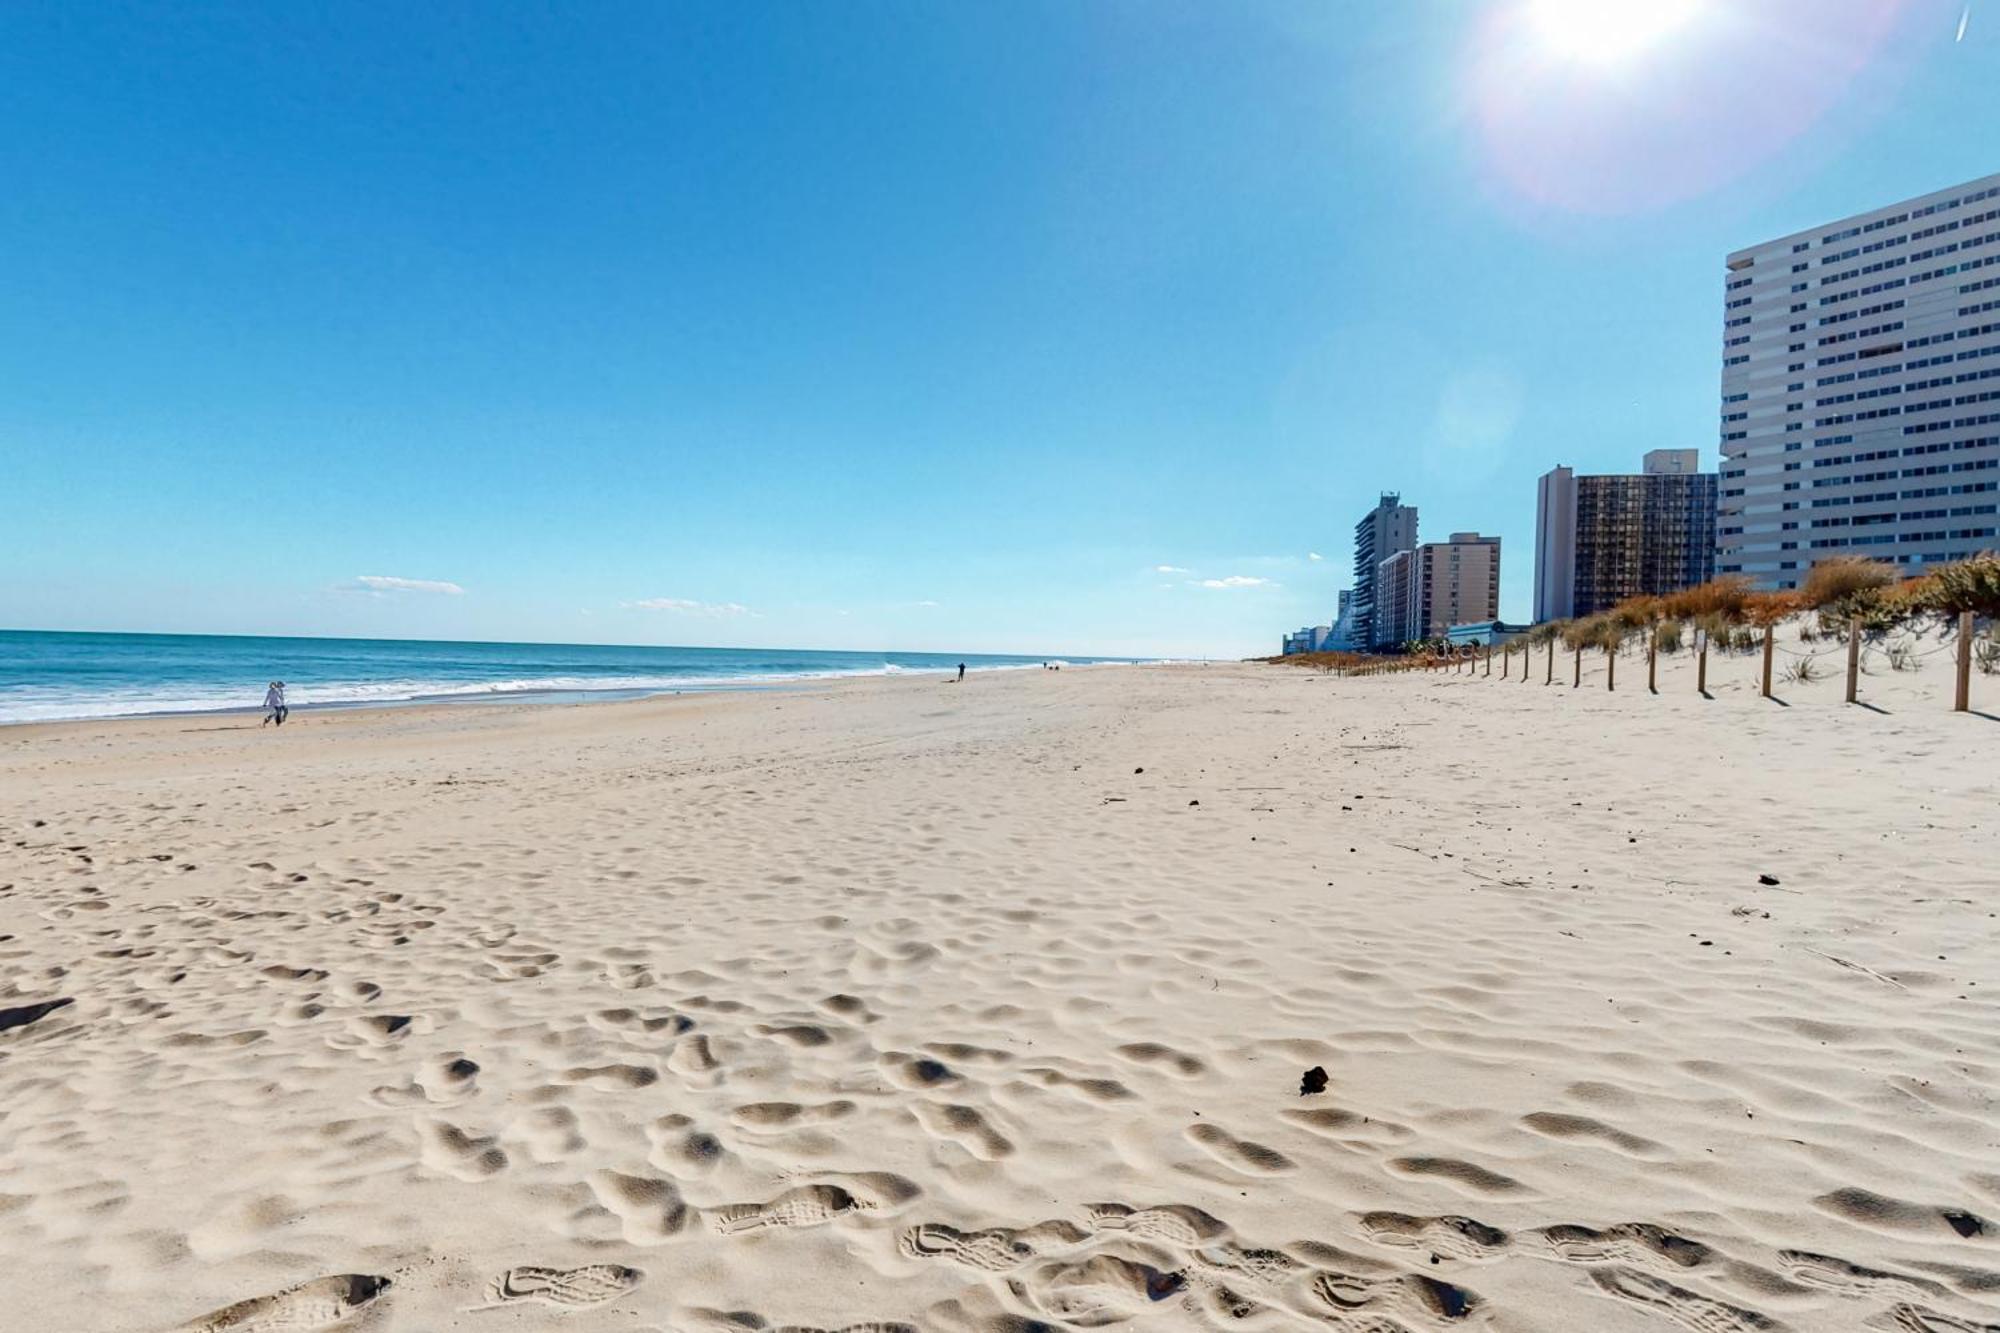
pixel 47 677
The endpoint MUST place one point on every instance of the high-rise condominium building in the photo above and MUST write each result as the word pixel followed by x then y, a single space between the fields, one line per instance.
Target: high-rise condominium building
pixel 1426 591
pixel 1341 640
pixel 1601 539
pixel 1861 389
pixel 1389 527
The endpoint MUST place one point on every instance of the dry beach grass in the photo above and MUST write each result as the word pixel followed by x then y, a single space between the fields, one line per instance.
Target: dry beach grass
pixel 898 1004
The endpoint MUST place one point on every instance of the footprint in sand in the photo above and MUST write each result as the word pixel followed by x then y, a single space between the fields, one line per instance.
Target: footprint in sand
pixel 1155 1055
pixel 446 1148
pixel 1468 1176
pixel 377 1031
pixel 1252 1159
pixel 1452 1236
pixel 680 1149
pixel 995 1250
pixel 629 976
pixel 317 1304
pixel 1879 1211
pixel 445 1080
pixel 917 1071
pixel 1102 1289
pixel 1349 1128
pixel 805 1206
pixel 565 1288
pixel 1906 1318
pixel 630 1022
pixel 1684 1307
pixel 1831 1274
pixel 650 1211
pixel 794 1034
pixel 1558 1125
pixel 1239 1263
pixel 1174 1223
pixel 1412 1296
pixel 1625 1242
pixel 550 1132
pixel 693 1058
pixel 611 1078
pixel 788 1115
pixel 966 1126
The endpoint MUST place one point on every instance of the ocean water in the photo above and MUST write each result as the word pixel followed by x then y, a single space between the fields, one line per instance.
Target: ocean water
pixel 53 676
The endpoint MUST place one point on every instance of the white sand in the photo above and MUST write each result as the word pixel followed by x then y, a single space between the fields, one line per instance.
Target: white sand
pixel 900 1004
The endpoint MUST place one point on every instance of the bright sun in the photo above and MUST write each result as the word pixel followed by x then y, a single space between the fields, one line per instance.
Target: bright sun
pixel 1607 32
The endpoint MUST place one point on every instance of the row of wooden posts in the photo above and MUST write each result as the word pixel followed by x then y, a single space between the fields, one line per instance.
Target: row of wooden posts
pixel 1469 661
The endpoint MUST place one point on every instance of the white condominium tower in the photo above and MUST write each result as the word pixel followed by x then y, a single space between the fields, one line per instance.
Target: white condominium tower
pixel 1861 390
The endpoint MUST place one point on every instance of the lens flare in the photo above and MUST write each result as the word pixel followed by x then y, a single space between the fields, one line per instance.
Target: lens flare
pixel 1608 32
pixel 1626 106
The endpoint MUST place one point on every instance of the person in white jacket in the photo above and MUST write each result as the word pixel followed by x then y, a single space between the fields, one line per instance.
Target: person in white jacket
pixel 274 700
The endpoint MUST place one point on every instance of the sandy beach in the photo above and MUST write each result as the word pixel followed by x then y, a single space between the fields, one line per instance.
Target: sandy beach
pixel 896 1004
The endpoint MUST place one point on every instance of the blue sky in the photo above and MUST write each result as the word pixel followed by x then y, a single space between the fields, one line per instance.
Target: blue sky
pixel 1002 327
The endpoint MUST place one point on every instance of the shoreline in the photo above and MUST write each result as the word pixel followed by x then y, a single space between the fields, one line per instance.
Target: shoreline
pixel 566 698
pixel 433 710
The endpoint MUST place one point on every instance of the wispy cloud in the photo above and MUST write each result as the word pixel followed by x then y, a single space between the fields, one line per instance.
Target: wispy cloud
pixel 1170 569
pixel 926 603
pixel 1314 555
pixel 688 607
pixel 1234 581
pixel 383 584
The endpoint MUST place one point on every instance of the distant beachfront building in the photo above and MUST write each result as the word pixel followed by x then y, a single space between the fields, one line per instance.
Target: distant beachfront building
pixel 1427 590
pixel 1387 529
pixel 1493 632
pixel 1601 539
pixel 1861 389
pixel 1309 639
pixel 1341 640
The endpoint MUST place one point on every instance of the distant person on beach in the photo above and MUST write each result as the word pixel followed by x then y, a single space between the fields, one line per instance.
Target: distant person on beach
pixel 961 671
pixel 274 700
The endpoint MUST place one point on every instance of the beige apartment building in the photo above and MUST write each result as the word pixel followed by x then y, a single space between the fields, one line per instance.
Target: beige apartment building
pixel 1425 591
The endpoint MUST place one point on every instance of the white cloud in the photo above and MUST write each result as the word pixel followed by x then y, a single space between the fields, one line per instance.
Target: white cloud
pixel 1170 569
pixel 688 607
pixel 1314 555
pixel 1235 581
pixel 926 603
pixel 384 583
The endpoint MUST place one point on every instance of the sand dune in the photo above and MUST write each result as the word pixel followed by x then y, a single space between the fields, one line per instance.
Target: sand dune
pixel 904 1005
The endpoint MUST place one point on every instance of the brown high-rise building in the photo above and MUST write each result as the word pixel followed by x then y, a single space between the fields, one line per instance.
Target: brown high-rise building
pixel 1601 539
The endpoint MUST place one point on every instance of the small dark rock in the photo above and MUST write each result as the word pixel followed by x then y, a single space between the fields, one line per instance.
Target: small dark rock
pixel 1313 1081
pixel 1194 802
pixel 1767 879
pixel 1138 770
pixel 1965 1224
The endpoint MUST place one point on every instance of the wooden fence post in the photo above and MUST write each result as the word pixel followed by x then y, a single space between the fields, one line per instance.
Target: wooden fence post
pixel 1767 660
pixel 1489 659
pixel 1576 678
pixel 1962 697
pixel 1506 661
pixel 1701 667
pixel 1653 661
pixel 1611 667
pixel 1853 656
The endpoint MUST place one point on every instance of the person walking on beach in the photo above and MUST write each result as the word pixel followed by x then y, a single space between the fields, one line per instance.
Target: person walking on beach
pixel 961 671
pixel 274 700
